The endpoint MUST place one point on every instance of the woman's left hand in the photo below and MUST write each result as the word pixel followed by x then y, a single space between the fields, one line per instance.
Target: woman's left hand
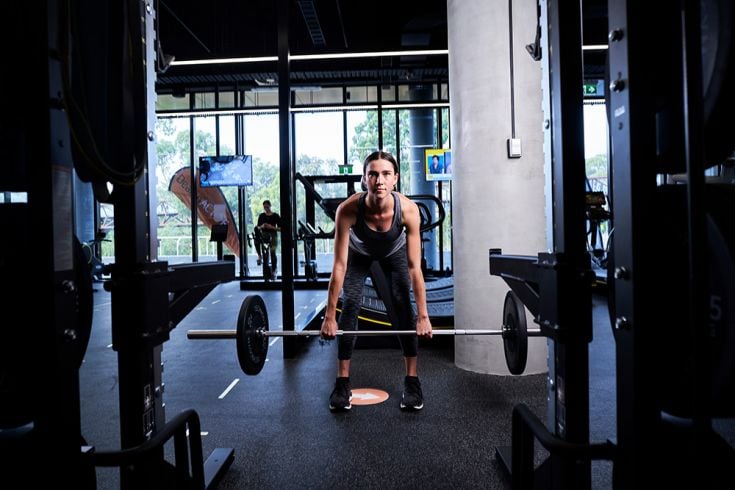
pixel 423 327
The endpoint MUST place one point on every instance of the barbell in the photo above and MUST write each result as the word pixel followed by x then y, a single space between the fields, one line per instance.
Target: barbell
pixel 252 334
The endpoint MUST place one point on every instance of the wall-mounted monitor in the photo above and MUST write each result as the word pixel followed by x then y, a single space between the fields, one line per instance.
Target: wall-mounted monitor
pixel 227 170
pixel 438 164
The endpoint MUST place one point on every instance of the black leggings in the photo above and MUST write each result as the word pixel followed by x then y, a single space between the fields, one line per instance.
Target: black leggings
pixel 395 268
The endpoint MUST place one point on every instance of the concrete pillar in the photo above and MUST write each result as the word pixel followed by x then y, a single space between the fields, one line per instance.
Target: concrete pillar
pixel 498 202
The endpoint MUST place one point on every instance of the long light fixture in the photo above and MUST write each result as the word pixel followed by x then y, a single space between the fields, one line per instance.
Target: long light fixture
pixel 362 107
pixel 372 54
pixel 594 47
pixel 223 61
pixel 312 57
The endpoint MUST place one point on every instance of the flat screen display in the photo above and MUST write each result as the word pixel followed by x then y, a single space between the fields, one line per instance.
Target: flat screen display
pixel 227 170
pixel 438 164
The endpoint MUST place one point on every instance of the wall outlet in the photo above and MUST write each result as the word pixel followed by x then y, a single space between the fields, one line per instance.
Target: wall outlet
pixel 514 148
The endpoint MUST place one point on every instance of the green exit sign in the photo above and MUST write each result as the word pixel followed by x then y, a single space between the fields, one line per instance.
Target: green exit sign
pixel 345 169
pixel 593 88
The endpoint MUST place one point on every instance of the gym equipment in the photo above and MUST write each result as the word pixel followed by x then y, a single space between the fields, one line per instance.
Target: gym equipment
pixel 674 354
pixel 219 235
pixel 78 338
pixel 597 215
pixel 307 234
pixel 674 362
pixel 252 334
pixel 264 241
pixel 439 303
pixel 556 286
pixel 329 205
pixel 91 256
pixel 516 344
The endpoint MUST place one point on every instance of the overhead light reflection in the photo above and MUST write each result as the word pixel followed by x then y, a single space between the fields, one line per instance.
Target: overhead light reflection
pixel 311 57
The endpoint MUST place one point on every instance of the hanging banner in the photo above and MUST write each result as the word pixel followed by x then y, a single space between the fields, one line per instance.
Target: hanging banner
pixel 212 207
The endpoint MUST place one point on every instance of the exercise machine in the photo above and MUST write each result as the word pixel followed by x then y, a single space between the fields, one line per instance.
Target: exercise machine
pixel 106 141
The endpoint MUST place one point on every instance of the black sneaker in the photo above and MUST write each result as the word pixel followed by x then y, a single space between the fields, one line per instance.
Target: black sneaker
pixel 413 397
pixel 341 396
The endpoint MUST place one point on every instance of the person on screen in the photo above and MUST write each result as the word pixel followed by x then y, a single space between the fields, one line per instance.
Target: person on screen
pixel 204 169
pixel 377 227
pixel 436 166
pixel 269 224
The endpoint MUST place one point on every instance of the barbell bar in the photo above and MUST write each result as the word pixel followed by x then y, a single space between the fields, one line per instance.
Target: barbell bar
pixel 252 334
pixel 232 334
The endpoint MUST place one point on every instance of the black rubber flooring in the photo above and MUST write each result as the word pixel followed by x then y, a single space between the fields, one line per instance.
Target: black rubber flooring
pixel 282 432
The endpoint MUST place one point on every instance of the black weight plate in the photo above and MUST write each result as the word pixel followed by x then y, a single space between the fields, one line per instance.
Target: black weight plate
pixel 515 339
pixel 717 18
pixel 252 348
pixel 721 325
pixel 675 353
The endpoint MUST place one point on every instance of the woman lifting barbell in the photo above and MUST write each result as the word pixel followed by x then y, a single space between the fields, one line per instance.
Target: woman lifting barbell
pixel 379 225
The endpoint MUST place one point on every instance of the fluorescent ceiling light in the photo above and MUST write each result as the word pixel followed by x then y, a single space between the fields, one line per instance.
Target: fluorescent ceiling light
pixel 307 57
pixel 222 61
pixel 594 47
pixel 274 110
pixel 373 54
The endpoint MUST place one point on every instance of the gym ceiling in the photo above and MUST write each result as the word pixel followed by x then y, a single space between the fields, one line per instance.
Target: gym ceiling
pixel 238 29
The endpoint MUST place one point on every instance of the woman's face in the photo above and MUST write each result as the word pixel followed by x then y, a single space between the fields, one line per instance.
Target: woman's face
pixel 380 177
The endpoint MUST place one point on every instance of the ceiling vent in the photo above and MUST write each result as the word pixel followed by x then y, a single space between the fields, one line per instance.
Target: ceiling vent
pixel 312 23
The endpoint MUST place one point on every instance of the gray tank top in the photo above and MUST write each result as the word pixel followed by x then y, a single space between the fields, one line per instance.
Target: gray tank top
pixel 377 244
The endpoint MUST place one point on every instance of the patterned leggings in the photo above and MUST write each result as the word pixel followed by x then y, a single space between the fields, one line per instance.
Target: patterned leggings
pixel 395 268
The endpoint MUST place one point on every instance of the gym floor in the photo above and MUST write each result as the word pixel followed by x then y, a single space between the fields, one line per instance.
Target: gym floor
pixel 281 429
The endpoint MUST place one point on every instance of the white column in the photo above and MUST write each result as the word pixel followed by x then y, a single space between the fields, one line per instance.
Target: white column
pixel 498 202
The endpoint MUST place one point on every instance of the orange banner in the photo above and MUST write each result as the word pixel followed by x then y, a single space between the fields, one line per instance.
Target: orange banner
pixel 212 207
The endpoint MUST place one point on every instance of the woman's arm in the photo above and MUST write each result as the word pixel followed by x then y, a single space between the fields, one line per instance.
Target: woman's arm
pixel 412 222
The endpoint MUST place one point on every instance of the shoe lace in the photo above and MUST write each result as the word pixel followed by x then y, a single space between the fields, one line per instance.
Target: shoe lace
pixel 413 386
pixel 343 386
